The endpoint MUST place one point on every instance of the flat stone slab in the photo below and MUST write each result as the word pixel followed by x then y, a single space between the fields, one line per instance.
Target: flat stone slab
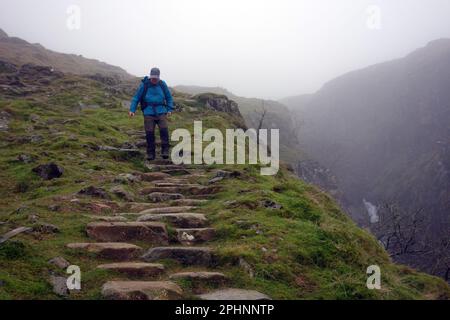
pixel 234 294
pixel 109 250
pixel 202 276
pixel 108 218
pixel 182 220
pixel 152 176
pixel 136 206
pixel 182 189
pixel 174 184
pixel 164 167
pixel 141 269
pixel 172 180
pixel 177 209
pixel 177 172
pixel 184 255
pixel 195 235
pixel 188 202
pixel 151 232
pixel 14 233
pixel 141 290
pixel 163 196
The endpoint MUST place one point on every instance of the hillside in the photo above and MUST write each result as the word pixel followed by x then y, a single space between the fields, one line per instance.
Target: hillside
pixel 276 235
pixel 19 52
pixel 384 133
pixel 277 116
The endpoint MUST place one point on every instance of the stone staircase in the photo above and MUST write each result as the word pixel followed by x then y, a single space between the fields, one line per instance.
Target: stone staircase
pixel 139 249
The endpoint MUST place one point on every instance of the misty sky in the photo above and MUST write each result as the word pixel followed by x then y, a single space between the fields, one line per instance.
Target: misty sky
pixel 259 48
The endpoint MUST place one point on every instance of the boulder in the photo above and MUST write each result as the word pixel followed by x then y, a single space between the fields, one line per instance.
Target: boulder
pixel 6 67
pixel 122 193
pixel 94 192
pixel 24 158
pixel 59 285
pixel 195 235
pixel 59 262
pixel 269 204
pixel 45 228
pixel 49 171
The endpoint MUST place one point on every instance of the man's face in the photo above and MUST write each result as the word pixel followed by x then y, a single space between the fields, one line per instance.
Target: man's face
pixel 154 80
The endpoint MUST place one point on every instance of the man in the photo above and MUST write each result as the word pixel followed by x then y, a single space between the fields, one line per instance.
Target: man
pixel 156 104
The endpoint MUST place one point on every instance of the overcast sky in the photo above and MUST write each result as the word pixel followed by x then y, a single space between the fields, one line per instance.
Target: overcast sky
pixel 258 48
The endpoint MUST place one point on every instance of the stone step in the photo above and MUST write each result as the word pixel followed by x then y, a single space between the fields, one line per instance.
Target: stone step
pixel 182 220
pixel 136 206
pixel 159 210
pixel 177 209
pixel 195 235
pixel 176 184
pixel 107 218
pixel 177 172
pixel 172 180
pixel 153 176
pixel 141 290
pixel 161 162
pixel 109 250
pixel 151 232
pixel 184 255
pixel 234 294
pixel 162 196
pixel 140 269
pixel 164 167
pixel 188 202
pixel 200 276
pixel 183 189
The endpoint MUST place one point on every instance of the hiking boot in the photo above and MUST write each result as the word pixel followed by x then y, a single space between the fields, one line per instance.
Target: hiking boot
pixel 150 156
pixel 164 133
pixel 150 137
pixel 165 152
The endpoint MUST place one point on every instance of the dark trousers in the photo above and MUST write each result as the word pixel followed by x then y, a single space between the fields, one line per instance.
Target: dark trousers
pixel 150 122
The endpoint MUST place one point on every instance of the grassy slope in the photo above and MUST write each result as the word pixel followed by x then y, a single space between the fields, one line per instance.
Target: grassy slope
pixel 309 249
pixel 19 52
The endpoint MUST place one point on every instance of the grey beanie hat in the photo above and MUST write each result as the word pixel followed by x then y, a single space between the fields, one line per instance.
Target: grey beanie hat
pixel 155 73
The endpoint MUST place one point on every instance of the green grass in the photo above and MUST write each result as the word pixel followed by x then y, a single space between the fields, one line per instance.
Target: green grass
pixel 308 249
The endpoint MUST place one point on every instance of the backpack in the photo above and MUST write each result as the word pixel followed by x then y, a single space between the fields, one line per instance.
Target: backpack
pixel 145 104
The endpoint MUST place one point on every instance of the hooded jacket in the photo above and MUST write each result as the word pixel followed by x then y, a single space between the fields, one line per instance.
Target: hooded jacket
pixel 158 97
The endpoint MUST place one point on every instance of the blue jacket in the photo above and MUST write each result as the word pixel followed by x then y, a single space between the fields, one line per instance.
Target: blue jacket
pixel 157 95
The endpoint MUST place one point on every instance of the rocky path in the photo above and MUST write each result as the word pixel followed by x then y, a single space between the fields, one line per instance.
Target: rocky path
pixel 144 246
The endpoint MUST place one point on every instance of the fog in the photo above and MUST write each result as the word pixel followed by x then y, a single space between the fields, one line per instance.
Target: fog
pixel 268 49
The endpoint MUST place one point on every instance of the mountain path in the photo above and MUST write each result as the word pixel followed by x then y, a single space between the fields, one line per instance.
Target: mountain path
pixel 172 233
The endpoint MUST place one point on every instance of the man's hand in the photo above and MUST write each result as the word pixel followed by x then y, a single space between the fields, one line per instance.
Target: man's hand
pixel 131 114
pixel 168 114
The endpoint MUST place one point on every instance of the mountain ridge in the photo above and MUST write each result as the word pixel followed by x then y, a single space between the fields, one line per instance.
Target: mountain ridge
pixel 19 52
pixel 368 128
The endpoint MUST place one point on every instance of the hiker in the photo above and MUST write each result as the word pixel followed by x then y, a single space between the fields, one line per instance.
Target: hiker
pixel 157 105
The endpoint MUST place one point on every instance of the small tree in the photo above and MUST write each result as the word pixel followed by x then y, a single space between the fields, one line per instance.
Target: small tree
pixel 398 231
